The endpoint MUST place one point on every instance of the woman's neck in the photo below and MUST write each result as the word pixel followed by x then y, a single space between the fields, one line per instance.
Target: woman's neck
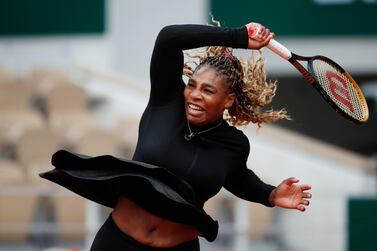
pixel 205 126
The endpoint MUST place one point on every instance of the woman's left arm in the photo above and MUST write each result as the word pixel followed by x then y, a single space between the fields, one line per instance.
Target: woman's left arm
pixel 243 182
pixel 246 185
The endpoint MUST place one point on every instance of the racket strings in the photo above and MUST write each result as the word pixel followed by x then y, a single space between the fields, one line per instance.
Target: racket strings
pixel 340 89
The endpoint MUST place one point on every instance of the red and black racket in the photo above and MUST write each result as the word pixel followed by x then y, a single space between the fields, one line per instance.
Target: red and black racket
pixel 335 84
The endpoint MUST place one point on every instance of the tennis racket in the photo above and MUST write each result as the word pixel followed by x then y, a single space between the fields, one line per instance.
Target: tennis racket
pixel 334 84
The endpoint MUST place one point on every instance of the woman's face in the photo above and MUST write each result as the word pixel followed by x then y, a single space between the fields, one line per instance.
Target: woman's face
pixel 207 96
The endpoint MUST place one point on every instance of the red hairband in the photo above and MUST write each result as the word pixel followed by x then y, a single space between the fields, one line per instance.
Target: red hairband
pixel 229 54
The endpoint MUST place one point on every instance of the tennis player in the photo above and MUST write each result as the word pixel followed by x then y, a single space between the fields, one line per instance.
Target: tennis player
pixel 187 148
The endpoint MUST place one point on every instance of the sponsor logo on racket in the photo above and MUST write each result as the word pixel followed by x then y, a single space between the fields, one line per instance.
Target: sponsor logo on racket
pixel 339 89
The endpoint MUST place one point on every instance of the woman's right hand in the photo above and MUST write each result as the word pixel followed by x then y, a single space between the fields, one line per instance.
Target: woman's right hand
pixel 259 36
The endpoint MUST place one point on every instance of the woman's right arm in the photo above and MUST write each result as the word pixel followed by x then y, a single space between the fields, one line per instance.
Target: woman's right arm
pixel 167 58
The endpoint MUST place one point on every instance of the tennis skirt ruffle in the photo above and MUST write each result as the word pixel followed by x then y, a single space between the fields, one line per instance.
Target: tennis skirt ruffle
pixel 104 178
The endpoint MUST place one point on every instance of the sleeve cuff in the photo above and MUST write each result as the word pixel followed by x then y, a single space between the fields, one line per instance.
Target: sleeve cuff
pixel 241 37
pixel 266 195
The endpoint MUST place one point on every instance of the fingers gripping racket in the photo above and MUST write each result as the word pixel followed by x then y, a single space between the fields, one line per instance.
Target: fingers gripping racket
pixel 335 84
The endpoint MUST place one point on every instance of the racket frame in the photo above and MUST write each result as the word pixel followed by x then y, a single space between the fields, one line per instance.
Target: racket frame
pixel 312 79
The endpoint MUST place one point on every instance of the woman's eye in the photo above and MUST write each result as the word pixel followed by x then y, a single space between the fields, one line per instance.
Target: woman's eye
pixel 208 91
pixel 191 85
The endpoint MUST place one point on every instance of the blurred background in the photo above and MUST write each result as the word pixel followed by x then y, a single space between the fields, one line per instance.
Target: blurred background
pixel 75 75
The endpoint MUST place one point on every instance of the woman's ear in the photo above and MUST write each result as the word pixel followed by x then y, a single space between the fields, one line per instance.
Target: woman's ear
pixel 229 100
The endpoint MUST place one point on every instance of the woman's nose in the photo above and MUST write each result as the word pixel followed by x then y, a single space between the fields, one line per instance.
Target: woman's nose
pixel 195 94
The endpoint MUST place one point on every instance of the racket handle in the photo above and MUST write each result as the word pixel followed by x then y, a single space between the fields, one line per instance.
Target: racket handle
pixel 279 49
pixel 253 29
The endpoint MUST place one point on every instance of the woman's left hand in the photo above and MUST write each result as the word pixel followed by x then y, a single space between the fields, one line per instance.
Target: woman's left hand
pixel 291 195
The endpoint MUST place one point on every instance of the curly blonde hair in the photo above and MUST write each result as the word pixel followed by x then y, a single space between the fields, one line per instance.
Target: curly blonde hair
pixel 247 79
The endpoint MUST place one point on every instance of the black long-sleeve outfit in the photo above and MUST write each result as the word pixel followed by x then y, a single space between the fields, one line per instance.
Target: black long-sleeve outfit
pixel 214 159
pixel 170 176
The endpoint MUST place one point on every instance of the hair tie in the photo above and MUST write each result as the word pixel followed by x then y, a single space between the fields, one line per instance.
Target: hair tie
pixel 229 55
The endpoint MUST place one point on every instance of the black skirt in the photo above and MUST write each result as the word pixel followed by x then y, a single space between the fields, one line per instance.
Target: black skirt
pixel 103 179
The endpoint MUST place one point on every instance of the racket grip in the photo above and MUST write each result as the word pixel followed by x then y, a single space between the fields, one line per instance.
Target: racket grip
pixel 279 49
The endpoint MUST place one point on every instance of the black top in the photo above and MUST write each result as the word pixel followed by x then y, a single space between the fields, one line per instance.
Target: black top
pixel 213 159
pixel 170 176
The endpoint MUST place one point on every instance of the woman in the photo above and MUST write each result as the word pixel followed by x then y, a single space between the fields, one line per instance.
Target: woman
pixel 186 151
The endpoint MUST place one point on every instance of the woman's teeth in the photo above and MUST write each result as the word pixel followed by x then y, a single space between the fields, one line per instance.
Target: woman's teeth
pixel 196 108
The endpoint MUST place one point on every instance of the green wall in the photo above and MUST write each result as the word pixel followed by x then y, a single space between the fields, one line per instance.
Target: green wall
pixel 362 224
pixel 51 17
pixel 300 17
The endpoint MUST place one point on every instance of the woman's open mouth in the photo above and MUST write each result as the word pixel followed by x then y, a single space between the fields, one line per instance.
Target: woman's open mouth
pixel 193 109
